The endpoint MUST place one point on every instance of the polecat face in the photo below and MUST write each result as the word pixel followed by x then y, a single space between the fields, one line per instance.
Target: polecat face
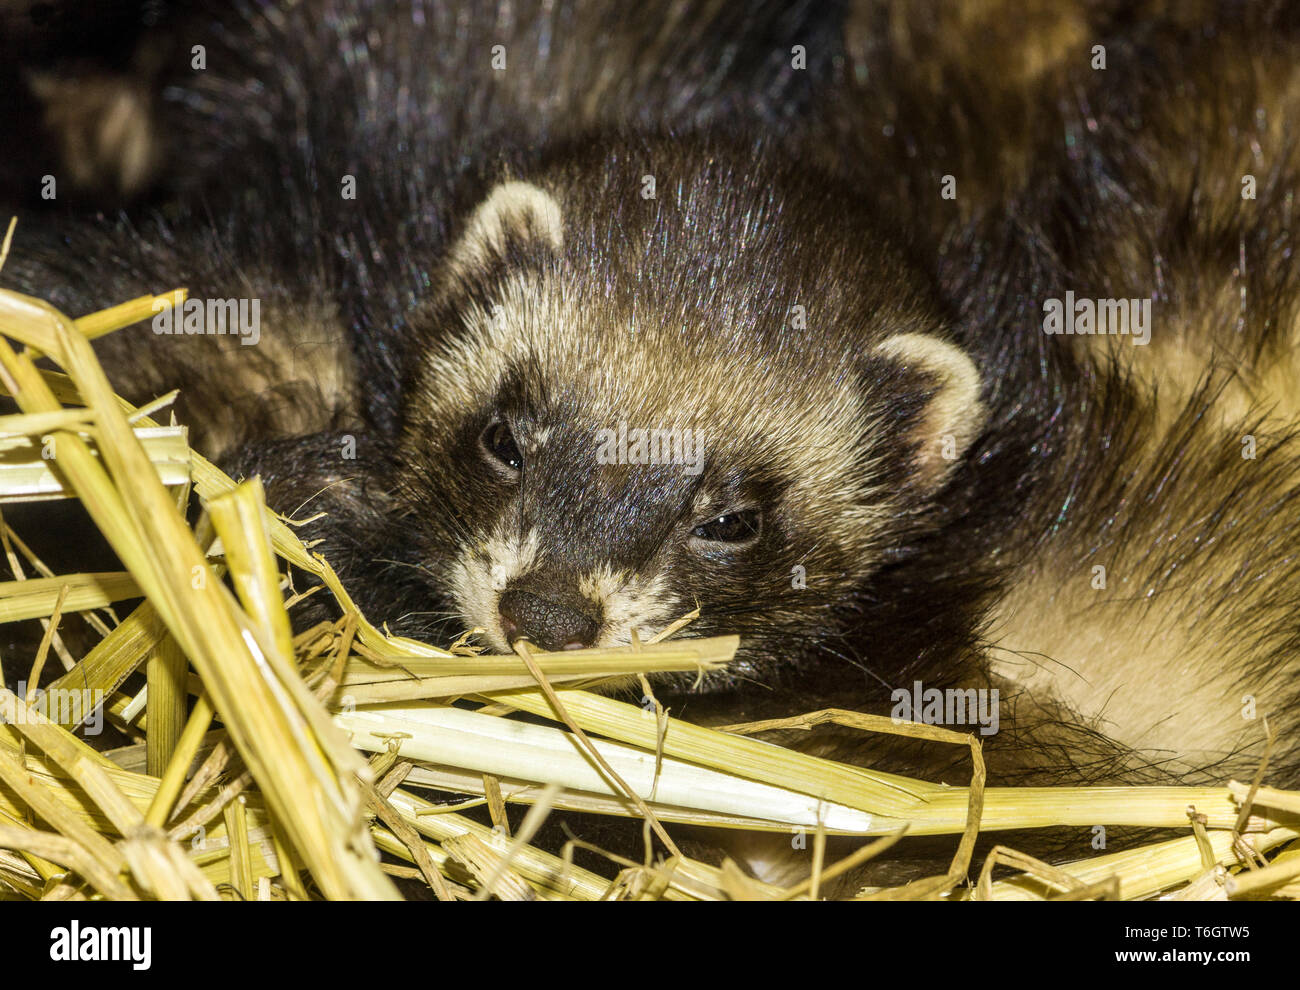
pixel 728 396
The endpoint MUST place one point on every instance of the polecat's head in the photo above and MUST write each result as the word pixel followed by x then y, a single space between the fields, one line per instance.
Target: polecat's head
pixel 661 380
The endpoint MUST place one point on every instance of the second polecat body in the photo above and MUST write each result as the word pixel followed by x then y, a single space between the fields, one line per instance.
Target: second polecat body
pixel 573 383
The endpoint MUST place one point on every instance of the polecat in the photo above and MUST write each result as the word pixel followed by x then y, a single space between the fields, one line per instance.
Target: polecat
pixel 605 357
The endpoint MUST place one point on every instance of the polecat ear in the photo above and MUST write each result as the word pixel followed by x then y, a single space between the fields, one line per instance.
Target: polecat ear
pixel 954 415
pixel 514 214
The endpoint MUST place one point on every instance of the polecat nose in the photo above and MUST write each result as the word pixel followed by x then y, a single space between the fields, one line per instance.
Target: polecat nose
pixel 547 623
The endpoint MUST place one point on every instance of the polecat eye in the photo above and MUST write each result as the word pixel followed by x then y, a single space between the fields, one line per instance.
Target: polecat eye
pixel 732 527
pixel 499 444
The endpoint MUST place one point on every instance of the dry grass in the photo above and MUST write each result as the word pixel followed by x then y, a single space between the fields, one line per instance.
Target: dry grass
pixel 249 776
